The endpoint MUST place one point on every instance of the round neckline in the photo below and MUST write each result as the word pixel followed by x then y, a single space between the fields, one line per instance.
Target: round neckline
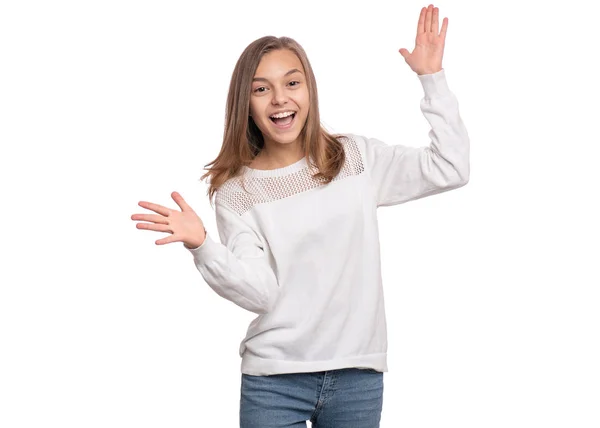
pixel 296 166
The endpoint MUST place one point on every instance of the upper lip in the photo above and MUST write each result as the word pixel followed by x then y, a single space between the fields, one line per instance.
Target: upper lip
pixel 282 111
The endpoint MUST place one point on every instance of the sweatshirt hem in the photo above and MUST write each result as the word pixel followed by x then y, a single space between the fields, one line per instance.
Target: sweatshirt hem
pixel 256 366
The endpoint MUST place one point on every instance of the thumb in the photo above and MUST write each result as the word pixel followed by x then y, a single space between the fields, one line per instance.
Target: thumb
pixel 404 53
pixel 181 202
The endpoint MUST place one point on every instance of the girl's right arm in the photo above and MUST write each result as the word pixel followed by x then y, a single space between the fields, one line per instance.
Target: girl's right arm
pixel 237 268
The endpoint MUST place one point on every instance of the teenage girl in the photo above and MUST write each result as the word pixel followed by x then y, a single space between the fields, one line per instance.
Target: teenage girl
pixel 296 216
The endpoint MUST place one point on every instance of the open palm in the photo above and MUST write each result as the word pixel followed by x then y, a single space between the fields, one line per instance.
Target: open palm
pixel 426 57
pixel 183 226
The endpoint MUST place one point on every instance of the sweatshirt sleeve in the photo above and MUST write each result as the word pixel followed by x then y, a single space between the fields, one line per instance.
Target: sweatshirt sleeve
pixel 402 173
pixel 237 268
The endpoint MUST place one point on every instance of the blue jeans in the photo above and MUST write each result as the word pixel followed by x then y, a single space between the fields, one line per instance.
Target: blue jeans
pixel 345 398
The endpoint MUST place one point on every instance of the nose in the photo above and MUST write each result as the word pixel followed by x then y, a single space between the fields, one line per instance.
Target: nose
pixel 279 96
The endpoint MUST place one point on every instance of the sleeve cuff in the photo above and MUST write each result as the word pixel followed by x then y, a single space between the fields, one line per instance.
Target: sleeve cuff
pixel 434 84
pixel 204 250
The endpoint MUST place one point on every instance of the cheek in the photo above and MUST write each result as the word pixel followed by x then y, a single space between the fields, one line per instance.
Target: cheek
pixel 252 109
pixel 305 100
pixel 258 116
pixel 257 110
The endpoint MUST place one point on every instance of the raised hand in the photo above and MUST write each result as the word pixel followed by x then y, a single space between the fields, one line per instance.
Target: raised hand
pixel 426 57
pixel 184 226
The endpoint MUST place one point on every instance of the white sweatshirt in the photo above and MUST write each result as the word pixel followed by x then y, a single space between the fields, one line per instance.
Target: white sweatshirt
pixel 304 256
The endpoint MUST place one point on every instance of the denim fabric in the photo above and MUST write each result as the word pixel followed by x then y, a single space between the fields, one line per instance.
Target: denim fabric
pixel 345 398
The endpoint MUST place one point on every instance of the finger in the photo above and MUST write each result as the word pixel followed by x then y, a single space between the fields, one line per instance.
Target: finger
pixel 405 54
pixel 167 240
pixel 155 207
pixel 155 227
pixel 444 29
pixel 150 217
pixel 180 201
pixel 421 24
pixel 435 25
pixel 428 18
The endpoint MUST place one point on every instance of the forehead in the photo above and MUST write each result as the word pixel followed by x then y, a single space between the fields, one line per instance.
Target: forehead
pixel 276 63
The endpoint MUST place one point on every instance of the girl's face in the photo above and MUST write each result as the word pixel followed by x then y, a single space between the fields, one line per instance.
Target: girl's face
pixel 278 89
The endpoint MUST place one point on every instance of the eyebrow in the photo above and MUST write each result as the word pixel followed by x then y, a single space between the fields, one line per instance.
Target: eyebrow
pixel 262 79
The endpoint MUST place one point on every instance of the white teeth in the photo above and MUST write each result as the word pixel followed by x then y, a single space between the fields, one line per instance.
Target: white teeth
pixel 284 114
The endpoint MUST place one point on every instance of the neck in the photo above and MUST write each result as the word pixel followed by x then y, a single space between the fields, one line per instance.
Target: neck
pixel 277 155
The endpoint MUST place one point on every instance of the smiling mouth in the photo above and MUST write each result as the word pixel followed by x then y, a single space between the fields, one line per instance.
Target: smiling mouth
pixel 284 122
pixel 283 119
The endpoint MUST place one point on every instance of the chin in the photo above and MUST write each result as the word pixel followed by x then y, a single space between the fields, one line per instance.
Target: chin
pixel 281 137
pixel 288 139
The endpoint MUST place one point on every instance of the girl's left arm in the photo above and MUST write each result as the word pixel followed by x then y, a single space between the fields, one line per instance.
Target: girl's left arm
pixel 402 173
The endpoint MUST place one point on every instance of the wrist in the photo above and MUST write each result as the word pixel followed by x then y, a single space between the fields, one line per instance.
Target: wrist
pixel 196 243
pixel 429 71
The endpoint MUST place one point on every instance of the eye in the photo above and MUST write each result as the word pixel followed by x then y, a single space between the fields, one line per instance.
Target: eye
pixel 296 83
pixel 259 89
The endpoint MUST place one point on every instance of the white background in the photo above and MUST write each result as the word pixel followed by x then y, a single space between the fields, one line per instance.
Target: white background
pixel 491 291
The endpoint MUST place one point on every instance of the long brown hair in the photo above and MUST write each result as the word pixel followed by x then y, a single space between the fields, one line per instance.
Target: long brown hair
pixel 242 140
